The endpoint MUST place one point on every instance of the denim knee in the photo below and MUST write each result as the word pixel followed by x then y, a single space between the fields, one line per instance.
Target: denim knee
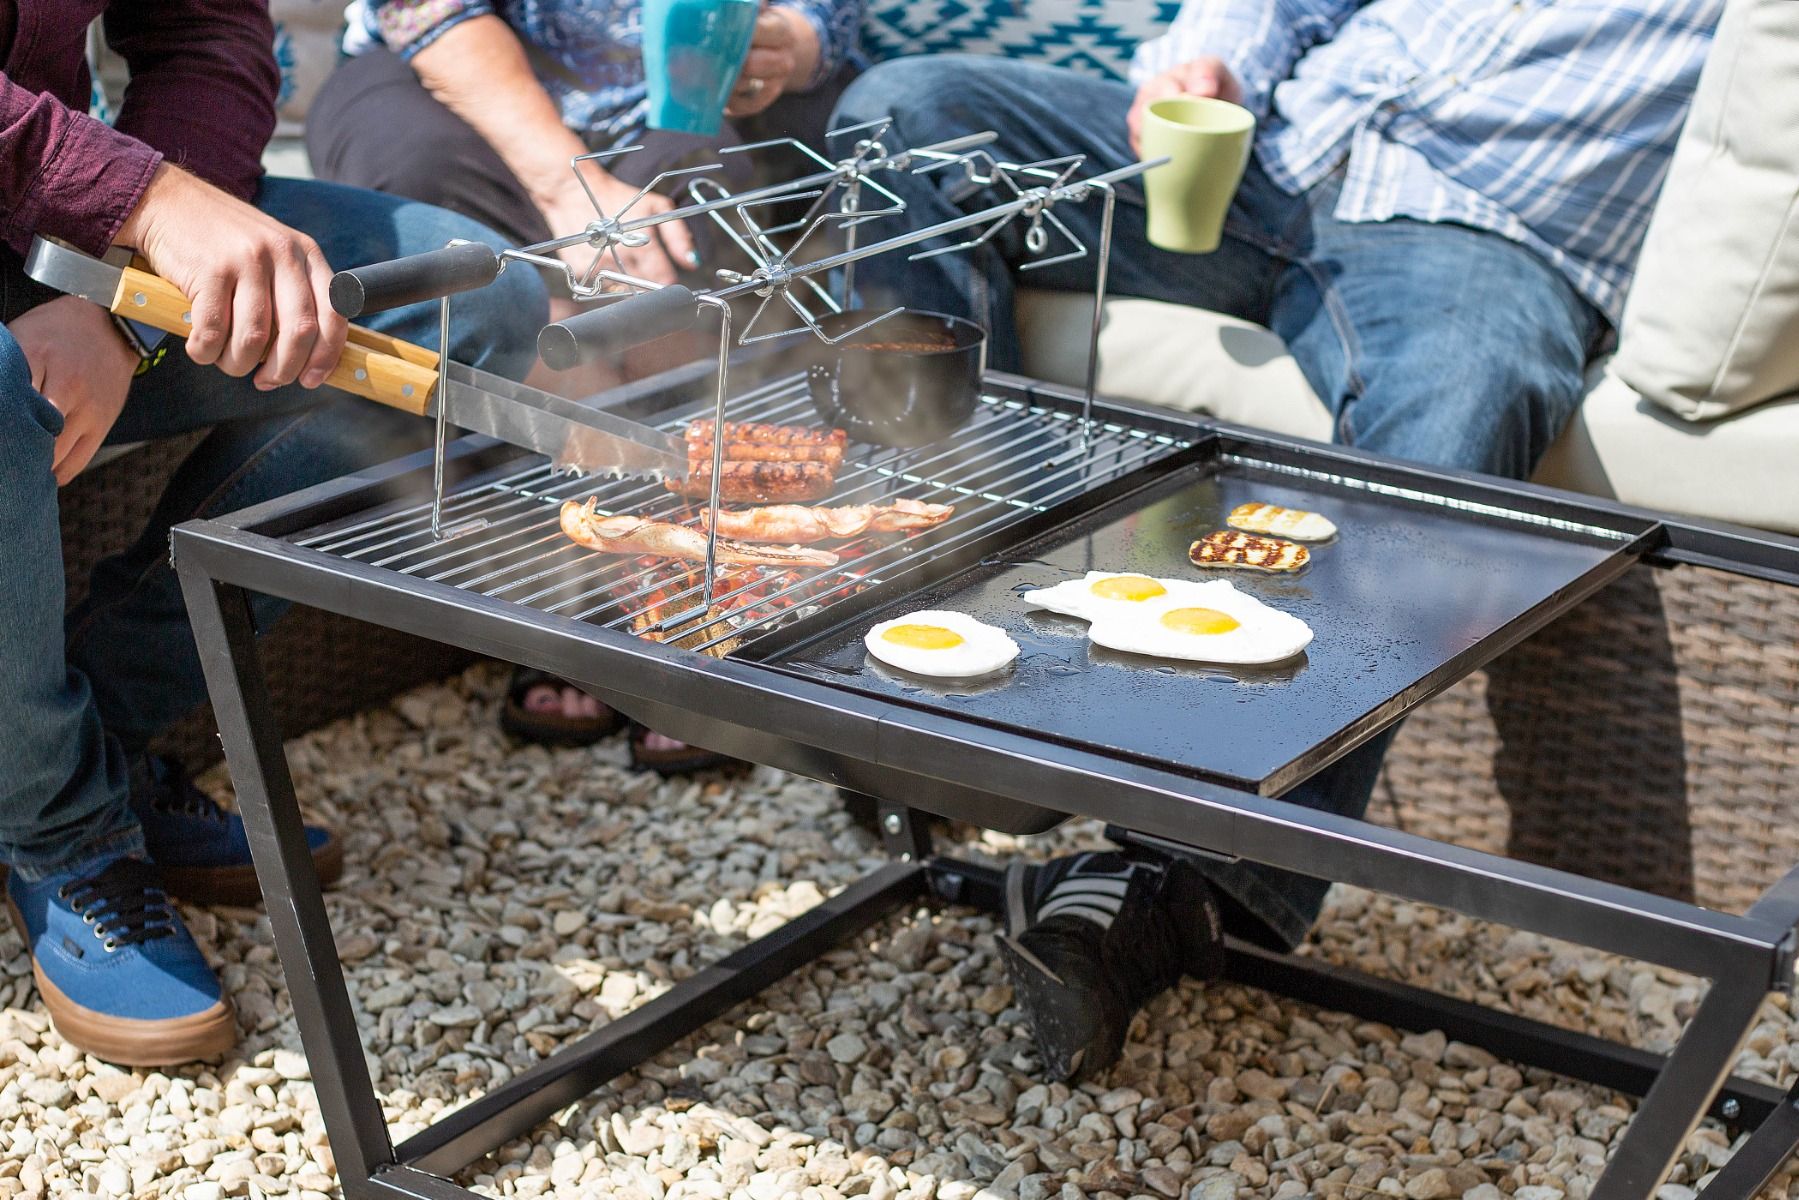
pixel 913 91
pixel 22 410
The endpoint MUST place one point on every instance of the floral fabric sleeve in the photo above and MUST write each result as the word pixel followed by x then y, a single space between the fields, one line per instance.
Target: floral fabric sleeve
pixel 838 24
pixel 408 26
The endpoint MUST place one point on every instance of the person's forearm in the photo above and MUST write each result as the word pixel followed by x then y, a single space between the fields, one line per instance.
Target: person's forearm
pixel 478 71
pixel 64 174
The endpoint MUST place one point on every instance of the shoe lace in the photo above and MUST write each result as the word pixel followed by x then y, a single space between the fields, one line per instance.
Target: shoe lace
pixel 124 903
pixel 172 792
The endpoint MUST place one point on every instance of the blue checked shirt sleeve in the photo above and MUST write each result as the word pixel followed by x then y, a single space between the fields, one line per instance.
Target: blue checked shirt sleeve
pixel 838 24
pixel 408 26
pixel 1260 40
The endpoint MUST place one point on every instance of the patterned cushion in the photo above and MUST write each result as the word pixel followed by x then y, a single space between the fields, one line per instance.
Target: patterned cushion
pixel 1096 37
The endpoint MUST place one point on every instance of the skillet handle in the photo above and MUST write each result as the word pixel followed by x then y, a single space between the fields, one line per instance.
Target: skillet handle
pixel 612 328
pixel 429 276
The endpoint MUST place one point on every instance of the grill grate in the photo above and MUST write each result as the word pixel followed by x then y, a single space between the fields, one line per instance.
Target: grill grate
pixel 1014 458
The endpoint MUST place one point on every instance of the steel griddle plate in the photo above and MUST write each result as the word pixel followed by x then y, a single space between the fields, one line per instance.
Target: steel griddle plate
pixel 1414 593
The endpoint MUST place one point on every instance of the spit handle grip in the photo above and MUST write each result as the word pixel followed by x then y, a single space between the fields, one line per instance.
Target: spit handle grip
pixel 610 329
pixel 428 276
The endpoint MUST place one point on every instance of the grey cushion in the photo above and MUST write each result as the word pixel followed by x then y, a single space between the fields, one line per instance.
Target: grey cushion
pixel 1619 445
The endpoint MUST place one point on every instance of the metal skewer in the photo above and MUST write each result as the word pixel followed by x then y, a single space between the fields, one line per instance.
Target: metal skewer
pixel 779 275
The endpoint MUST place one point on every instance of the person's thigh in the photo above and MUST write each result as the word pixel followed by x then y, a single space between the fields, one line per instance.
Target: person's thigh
pixel 1039 113
pixel 494 328
pixel 374 125
pixel 1437 343
pixel 59 779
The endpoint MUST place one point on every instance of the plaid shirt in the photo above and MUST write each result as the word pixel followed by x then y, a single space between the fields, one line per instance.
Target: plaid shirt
pixel 1549 123
pixel 588 54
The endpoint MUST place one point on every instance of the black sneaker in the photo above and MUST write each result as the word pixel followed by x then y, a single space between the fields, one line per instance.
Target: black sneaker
pixel 202 851
pixel 1091 937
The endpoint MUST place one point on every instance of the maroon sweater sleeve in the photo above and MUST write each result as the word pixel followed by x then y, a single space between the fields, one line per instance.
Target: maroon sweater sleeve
pixel 63 173
pixel 203 84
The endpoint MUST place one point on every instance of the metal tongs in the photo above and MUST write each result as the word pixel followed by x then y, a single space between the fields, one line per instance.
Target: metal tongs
pixel 396 373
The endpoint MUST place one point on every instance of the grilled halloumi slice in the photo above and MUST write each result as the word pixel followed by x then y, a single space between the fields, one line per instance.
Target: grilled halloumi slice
pixel 1247 551
pixel 1293 523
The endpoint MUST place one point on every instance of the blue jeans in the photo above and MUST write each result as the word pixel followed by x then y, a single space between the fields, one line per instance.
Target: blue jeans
pixel 83 695
pixel 1437 343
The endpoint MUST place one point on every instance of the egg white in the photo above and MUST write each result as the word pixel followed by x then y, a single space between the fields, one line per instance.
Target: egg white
pixel 1263 634
pixel 984 648
pixel 1075 597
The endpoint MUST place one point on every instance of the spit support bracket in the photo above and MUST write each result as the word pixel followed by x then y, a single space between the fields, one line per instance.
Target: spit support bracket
pixel 836 193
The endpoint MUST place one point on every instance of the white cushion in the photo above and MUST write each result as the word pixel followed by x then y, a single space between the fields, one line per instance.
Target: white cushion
pixel 1712 324
pixel 1174 356
pixel 1741 469
pixel 1618 446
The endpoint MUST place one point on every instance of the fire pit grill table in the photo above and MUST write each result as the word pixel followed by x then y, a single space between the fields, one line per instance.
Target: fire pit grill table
pixel 777 680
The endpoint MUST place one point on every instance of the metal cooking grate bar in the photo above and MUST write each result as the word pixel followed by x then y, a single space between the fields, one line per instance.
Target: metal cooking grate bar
pixel 417 519
pixel 982 451
pixel 738 627
pixel 1056 438
pixel 655 501
pixel 932 491
pixel 938 543
pixel 1013 458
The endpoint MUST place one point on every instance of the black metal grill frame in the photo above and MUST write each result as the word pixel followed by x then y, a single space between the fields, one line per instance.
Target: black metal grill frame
pixel 912 758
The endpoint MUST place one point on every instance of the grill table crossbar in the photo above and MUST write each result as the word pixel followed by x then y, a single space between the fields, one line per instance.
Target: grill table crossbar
pixel 933 761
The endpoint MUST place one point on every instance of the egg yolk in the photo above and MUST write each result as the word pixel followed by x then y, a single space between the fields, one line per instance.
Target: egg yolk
pixel 1128 587
pixel 923 637
pixel 1200 621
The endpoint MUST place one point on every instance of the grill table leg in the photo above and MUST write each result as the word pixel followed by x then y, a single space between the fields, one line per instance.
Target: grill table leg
pixel 1700 1062
pixel 368 1164
pixel 1757 1159
pixel 220 615
pixel 1681 1093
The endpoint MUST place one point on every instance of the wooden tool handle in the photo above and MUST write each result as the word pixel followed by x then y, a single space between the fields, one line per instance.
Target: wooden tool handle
pixel 374 366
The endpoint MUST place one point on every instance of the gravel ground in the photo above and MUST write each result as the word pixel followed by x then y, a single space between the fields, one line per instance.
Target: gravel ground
pixel 501 902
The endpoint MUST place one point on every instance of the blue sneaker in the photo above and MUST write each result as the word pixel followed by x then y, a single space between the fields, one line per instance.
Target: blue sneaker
pixel 199 848
pixel 117 969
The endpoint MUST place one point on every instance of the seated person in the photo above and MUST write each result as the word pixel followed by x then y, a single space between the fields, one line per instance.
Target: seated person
pixel 495 99
pixel 1440 217
pixel 93 828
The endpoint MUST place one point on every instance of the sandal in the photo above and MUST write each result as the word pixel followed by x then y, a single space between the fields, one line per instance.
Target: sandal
pixel 551 728
pixel 683 761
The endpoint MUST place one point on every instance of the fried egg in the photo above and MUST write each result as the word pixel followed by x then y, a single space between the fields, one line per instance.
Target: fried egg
pixel 1104 592
pixel 950 645
pixel 1209 622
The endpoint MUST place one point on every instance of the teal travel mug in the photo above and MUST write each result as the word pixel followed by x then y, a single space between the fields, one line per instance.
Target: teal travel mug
pixel 692 52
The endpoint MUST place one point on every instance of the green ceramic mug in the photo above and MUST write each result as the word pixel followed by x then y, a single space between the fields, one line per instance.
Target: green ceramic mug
pixel 1207 143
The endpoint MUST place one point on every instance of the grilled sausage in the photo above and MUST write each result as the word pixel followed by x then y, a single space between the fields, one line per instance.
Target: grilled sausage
pixel 758 482
pixel 754 431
